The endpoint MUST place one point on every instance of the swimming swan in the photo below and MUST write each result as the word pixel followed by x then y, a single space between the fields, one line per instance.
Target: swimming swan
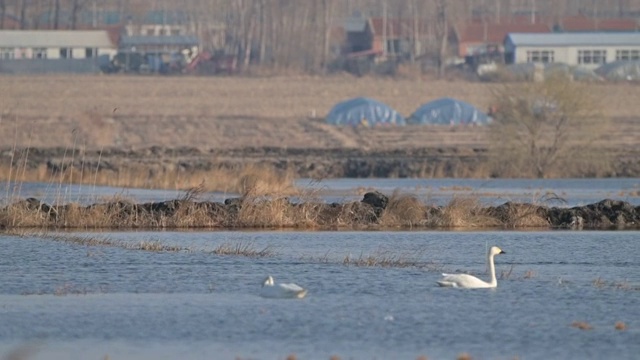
pixel 281 291
pixel 471 282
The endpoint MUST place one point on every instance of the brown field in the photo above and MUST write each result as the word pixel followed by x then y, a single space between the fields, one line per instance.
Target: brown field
pixel 133 112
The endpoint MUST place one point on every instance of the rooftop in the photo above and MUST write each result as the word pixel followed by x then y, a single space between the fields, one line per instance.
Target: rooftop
pixel 55 38
pixel 569 39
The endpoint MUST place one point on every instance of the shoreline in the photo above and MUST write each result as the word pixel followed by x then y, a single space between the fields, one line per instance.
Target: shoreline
pixel 44 164
pixel 376 211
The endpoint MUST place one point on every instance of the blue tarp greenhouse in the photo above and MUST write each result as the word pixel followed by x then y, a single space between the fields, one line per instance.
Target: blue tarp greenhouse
pixel 364 111
pixel 448 111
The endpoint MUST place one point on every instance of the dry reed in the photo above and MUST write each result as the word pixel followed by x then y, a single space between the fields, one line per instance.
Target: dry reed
pixel 381 258
pixel 582 325
pixel 249 179
pixel 242 249
pixel 404 211
pixel 464 213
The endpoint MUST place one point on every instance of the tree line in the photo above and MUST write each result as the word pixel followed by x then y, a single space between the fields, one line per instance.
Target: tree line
pixel 299 34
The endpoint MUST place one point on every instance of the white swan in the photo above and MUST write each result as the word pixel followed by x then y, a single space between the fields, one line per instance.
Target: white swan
pixel 282 291
pixel 471 282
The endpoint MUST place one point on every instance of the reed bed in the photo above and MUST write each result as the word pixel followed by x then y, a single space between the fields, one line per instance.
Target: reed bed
pixel 143 245
pixel 381 258
pixel 615 285
pixel 266 208
pixel 243 249
pixel 240 179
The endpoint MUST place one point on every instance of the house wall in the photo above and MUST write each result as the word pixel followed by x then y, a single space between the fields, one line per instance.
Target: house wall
pixel 570 54
pixel 53 53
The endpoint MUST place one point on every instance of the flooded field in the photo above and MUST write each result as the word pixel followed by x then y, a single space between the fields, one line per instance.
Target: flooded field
pixel 71 301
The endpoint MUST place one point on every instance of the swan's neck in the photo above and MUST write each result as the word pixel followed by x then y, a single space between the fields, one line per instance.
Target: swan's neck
pixel 492 272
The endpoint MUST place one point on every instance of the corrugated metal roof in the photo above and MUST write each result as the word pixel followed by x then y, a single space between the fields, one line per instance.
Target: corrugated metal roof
pixel 575 39
pixel 170 40
pixel 55 38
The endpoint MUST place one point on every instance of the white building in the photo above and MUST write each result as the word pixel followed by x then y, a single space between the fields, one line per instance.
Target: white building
pixel 55 44
pixel 588 49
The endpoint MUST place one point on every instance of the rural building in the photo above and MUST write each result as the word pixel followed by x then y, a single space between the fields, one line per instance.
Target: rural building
pixel 481 41
pixel 55 44
pixel 158 44
pixel 587 49
pixel 476 38
pixel 54 51
pixel 384 38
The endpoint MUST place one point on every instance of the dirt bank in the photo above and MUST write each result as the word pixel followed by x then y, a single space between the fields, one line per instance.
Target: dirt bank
pixel 374 211
pixel 461 162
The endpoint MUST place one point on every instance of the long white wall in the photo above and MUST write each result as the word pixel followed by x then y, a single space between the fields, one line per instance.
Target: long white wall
pixel 569 54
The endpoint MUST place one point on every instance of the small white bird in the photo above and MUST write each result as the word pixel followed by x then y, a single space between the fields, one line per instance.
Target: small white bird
pixel 281 291
pixel 471 282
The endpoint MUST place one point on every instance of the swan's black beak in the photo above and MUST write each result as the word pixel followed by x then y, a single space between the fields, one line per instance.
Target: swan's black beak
pixel 502 252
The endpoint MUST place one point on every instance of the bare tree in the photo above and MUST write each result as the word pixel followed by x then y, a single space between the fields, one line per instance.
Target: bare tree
pixel 544 127
pixel 3 12
pixel 56 14
pixel 24 5
pixel 442 34
pixel 327 11
pixel 76 7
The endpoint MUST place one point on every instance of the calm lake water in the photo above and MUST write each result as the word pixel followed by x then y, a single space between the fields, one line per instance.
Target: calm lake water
pixel 192 304
pixel 572 192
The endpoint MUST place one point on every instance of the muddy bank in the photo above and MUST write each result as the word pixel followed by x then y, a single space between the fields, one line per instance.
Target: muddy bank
pixel 374 211
pixel 302 163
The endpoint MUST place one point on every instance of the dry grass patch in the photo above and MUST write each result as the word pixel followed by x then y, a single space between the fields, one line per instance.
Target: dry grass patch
pixel 529 274
pixel 403 210
pixel 523 216
pixel 616 285
pixel 143 245
pixel 242 249
pixel 464 212
pixel 265 212
pixel 381 258
pixel 228 249
pixel 621 326
pixel 248 179
pixel 256 180
pixel 582 325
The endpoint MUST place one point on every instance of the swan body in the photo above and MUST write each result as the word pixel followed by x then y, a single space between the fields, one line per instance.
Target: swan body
pixel 467 281
pixel 281 291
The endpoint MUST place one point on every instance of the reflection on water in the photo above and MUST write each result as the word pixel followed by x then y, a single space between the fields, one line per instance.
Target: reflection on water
pixel 556 192
pixel 78 302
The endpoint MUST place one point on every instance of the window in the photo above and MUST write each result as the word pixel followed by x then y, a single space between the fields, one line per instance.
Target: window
pixel 162 32
pixel 592 56
pixel 627 55
pixel 90 52
pixel 39 53
pixel 175 31
pixel 151 32
pixel 65 53
pixel 7 53
pixel 540 56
